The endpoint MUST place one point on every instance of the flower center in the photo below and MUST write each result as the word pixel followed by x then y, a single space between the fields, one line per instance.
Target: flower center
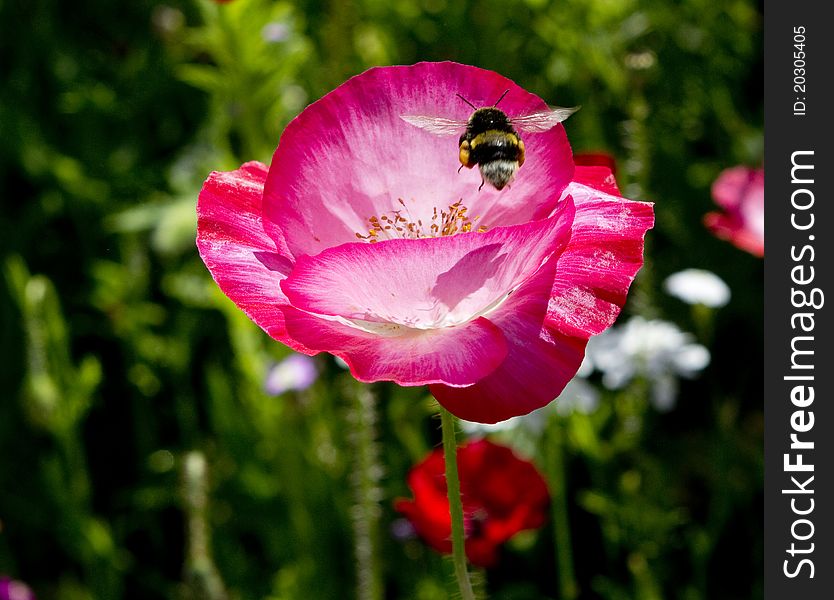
pixel 400 224
pixel 474 522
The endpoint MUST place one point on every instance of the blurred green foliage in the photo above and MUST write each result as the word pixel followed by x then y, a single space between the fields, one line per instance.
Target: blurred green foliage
pixel 123 364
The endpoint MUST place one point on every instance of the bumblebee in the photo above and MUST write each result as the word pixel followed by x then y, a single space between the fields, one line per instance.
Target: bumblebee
pixel 490 139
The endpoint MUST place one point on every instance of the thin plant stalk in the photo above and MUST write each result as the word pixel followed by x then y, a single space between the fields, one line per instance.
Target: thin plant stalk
pixel 556 474
pixel 367 493
pixel 455 504
pixel 202 579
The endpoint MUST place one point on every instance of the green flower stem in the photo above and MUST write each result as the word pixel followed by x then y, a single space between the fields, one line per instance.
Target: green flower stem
pixel 704 318
pixel 455 504
pixel 559 509
pixel 202 579
pixel 366 489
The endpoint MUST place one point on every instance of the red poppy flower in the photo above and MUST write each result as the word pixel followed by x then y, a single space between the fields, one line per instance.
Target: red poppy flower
pixel 740 192
pixel 502 495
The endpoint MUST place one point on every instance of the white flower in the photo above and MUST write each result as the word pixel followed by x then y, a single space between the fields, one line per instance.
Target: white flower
pixel 696 286
pixel 275 32
pixel 296 372
pixel 533 423
pixel 578 396
pixel 654 349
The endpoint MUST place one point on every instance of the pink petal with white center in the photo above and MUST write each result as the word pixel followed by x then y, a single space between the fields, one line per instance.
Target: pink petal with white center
pixel 496 322
pixel 539 361
pixel 246 263
pixel 350 156
pixel 600 262
pixel 455 356
pixel 426 283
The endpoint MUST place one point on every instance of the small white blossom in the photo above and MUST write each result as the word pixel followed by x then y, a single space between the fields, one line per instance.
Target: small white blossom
pixel 275 32
pixel 578 396
pixel 696 286
pixel 654 349
pixel 296 372
pixel 533 422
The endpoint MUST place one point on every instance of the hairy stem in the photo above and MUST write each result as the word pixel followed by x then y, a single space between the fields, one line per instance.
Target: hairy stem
pixel 202 579
pixel 455 504
pixel 367 493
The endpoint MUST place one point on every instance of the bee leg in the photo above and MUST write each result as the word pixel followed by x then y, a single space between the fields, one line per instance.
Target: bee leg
pixel 459 168
pixel 482 184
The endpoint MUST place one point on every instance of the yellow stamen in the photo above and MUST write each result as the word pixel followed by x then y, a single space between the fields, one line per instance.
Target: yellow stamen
pixel 394 225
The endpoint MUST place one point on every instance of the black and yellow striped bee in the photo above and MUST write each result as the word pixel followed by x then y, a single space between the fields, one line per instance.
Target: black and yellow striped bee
pixel 490 138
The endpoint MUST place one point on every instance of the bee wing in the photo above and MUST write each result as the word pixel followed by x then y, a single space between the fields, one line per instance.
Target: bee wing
pixel 544 120
pixel 435 125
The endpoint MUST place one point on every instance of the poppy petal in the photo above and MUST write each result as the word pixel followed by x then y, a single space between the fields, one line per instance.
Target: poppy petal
pixel 455 356
pixel 351 156
pixel 539 361
pixel 426 283
pixel 600 262
pixel 246 263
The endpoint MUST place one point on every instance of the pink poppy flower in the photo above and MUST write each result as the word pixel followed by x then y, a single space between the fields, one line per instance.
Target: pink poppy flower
pixel 740 192
pixel 501 493
pixel 488 297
